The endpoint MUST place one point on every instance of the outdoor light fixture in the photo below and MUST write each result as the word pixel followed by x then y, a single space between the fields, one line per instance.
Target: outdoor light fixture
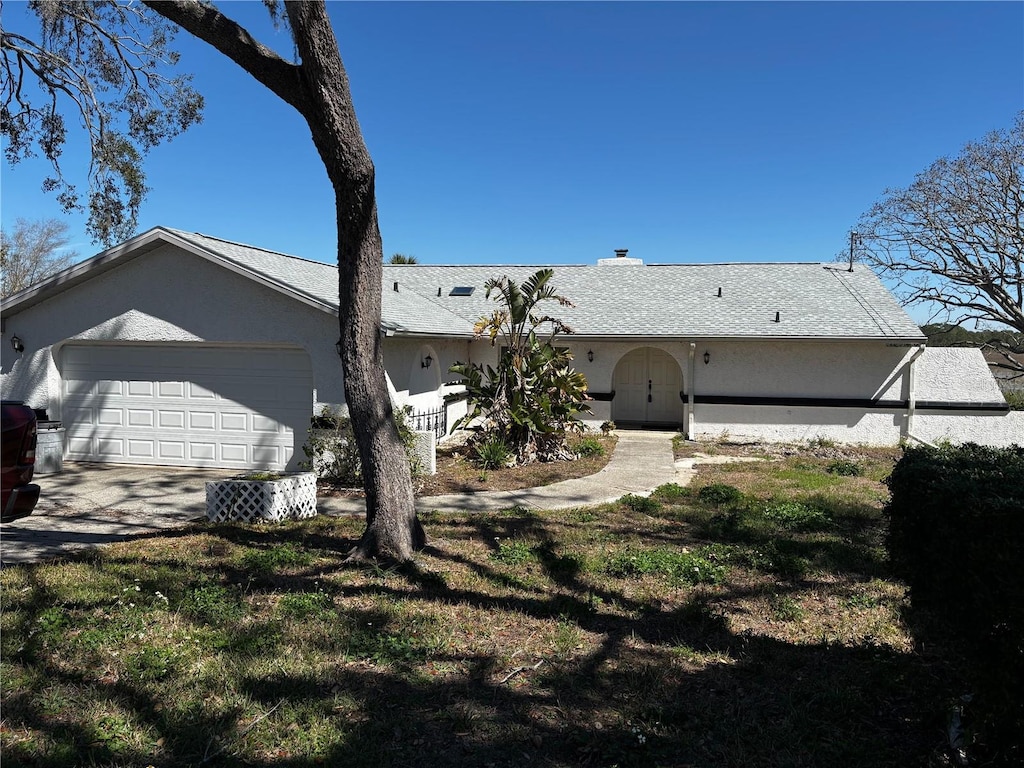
pixel 590 355
pixel 337 346
pixel 16 344
pixel 426 362
pixel 707 357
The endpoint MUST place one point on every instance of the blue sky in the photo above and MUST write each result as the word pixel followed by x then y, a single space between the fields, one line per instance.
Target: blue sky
pixel 554 133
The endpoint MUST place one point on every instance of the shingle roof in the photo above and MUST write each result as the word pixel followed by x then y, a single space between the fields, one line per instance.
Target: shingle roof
pixel 775 300
pixel 778 300
pixel 682 300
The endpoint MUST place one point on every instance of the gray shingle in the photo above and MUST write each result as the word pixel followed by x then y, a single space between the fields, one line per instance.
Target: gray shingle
pixel 668 300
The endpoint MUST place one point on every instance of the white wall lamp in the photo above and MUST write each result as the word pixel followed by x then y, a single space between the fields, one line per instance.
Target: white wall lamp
pixel 707 357
pixel 17 344
pixel 590 355
pixel 425 363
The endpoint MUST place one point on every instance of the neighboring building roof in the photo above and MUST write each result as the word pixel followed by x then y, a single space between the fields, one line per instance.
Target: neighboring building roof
pixel 778 300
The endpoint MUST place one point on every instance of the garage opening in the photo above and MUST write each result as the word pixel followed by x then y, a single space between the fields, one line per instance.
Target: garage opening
pixel 196 405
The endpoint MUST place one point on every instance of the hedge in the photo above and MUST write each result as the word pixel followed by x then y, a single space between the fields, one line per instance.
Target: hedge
pixel 956 536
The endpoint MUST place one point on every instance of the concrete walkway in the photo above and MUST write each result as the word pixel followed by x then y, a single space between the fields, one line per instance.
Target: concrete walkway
pixel 95 504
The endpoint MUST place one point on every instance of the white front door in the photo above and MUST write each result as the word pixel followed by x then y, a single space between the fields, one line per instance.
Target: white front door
pixel 647 382
pixel 192 405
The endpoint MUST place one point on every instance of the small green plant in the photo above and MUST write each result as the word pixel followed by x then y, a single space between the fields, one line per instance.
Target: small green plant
pixel 269 560
pixel 845 468
pixel 589 446
pixel 785 608
pixel 303 604
pixel 643 505
pixel 262 476
pixel 795 516
pixel 332 453
pixel 720 494
pixel 670 492
pixel 151 664
pixel 679 567
pixel 1015 399
pixel 493 453
pixel 512 552
pixel 213 604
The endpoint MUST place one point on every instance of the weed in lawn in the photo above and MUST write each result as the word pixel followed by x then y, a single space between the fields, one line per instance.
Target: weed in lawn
pixel 643 505
pixel 677 566
pixel 151 663
pixel 795 516
pixel 785 608
pixel 307 604
pixel 512 552
pixel 670 492
pixel 275 557
pixel 844 468
pixel 213 604
pixel 720 494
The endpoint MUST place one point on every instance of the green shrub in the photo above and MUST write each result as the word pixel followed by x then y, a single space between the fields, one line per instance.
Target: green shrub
pixel 795 516
pixel 720 494
pixel 332 453
pixel 956 536
pixel 670 492
pixel 512 552
pixel 643 505
pixel 589 446
pixel 845 468
pixel 493 453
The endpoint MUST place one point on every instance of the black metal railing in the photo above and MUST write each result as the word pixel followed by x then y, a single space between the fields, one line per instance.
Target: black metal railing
pixel 430 421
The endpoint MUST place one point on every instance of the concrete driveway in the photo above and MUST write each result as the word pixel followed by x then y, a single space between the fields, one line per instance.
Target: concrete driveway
pixel 89 504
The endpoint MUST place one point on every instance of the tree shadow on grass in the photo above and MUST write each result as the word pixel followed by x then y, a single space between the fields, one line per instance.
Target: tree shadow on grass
pixel 656 686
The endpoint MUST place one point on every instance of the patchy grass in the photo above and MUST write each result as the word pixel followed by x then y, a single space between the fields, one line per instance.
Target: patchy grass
pixel 690 633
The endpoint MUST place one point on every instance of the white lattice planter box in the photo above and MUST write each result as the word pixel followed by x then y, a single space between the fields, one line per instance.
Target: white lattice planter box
pixel 239 498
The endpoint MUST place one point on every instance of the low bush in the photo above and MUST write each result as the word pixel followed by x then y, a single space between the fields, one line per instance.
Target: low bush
pixel 493 453
pixel 956 536
pixel 332 453
pixel 641 504
pixel 588 446
pixel 720 494
pixel 845 468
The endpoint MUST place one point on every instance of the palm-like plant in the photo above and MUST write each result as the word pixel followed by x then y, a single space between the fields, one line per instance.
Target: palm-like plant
pixel 534 395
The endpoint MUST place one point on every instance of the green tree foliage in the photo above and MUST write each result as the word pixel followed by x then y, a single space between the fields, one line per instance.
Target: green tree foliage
pixel 953 240
pixel 402 258
pixel 534 396
pixel 108 64
pixel 33 251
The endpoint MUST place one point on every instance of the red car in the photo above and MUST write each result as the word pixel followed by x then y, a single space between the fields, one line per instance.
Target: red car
pixel 18 449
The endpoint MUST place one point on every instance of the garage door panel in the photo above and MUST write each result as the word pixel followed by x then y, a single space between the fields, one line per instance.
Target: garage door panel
pixel 192 406
pixel 142 449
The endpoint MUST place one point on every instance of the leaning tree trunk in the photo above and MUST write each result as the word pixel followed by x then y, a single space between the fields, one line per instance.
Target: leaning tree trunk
pixel 318 89
pixel 392 529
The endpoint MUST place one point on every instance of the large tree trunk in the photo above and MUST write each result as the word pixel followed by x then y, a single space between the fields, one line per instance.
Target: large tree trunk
pixel 318 88
pixel 392 529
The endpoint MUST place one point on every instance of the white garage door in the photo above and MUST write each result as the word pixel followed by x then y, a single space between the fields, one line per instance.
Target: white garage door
pixel 193 406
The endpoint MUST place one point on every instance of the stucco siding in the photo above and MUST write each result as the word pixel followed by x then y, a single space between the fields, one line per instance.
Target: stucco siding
pixel 169 295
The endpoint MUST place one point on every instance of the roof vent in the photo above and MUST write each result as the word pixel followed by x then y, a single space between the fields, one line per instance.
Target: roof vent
pixel 396 286
pixel 719 291
pixel 620 259
pixel 778 317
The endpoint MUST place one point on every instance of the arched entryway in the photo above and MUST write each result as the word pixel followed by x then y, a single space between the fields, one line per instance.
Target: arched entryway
pixel 647 382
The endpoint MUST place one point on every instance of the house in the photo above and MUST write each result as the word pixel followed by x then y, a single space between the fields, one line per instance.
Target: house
pixel 177 348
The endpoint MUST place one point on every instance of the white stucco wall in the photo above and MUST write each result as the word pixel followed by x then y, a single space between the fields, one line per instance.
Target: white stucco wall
pixel 168 295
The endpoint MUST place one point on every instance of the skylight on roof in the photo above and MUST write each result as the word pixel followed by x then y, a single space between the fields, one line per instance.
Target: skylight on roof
pixel 462 290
